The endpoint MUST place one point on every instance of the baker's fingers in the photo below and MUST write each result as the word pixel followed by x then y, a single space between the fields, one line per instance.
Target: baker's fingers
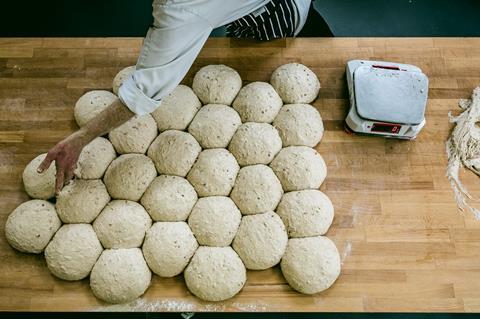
pixel 68 175
pixel 59 179
pixel 45 164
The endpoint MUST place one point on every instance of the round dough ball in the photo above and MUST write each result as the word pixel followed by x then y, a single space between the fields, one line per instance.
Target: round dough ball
pixel 177 109
pixel 91 104
pixel 256 190
pixel 129 176
pixel 95 158
pixel 39 185
pixel 122 224
pixel 120 275
pixel 121 77
pixel 214 221
pixel 73 251
pixel 295 83
pixel 255 143
pixel 174 152
pixel 215 273
pixel 310 264
pixel 261 240
pixel 214 125
pixel 168 248
pixel 135 135
pixel 257 102
pixel 214 172
pixel 217 84
pixel 31 225
pixel 299 168
pixel 169 198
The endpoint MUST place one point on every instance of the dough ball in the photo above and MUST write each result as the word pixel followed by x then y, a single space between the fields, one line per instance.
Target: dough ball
pixel 310 264
pixel 214 172
pixel 261 240
pixel 91 104
pixel 256 190
pixel 135 135
pixel 257 102
pixel 73 251
pixel 129 176
pixel 82 200
pixel 299 168
pixel 169 198
pixel 39 185
pixel 168 248
pixel 255 143
pixel 306 213
pixel 122 224
pixel 214 221
pixel 217 84
pixel 95 158
pixel 177 109
pixel 120 275
pixel 215 273
pixel 174 152
pixel 31 225
pixel 121 77
pixel 295 83
pixel 214 125
pixel 299 125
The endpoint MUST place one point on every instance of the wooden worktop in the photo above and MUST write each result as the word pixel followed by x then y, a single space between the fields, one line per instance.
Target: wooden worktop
pixel 404 244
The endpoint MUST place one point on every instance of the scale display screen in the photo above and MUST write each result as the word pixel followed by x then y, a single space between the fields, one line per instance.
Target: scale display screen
pixel 386 128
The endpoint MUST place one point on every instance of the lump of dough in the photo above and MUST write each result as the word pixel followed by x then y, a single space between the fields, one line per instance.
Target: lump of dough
pixel 129 176
pixel 121 76
pixel 217 84
pixel 168 248
pixel 255 143
pixel 214 125
pixel 299 125
pixel 174 152
pixel 95 158
pixel 299 168
pixel 310 264
pixel 256 190
pixel 214 221
pixel 257 102
pixel 39 185
pixel 215 273
pixel 73 251
pixel 122 224
pixel 135 135
pixel 120 275
pixel 169 198
pixel 295 83
pixel 91 104
pixel 177 109
pixel 31 225
pixel 214 172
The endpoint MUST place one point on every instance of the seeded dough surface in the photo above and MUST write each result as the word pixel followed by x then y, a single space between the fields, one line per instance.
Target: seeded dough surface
pixel 91 104
pixel 39 185
pixel 95 158
pixel 295 83
pixel 217 84
pixel 135 135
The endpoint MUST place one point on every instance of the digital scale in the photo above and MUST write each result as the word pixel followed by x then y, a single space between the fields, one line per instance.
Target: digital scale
pixel 386 99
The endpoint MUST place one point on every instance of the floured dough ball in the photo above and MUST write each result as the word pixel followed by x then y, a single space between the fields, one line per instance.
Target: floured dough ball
pixel 177 109
pixel 168 248
pixel 257 102
pixel 214 172
pixel 256 190
pixel 169 198
pixel 299 125
pixel 129 176
pixel 120 275
pixel 255 143
pixel 214 125
pixel 135 135
pixel 39 185
pixel 310 264
pixel 299 168
pixel 95 158
pixel 261 240
pixel 215 273
pixel 217 84
pixel 121 77
pixel 214 221
pixel 73 251
pixel 295 83
pixel 91 104
pixel 31 225
pixel 174 152
pixel 306 213
pixel 122 224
